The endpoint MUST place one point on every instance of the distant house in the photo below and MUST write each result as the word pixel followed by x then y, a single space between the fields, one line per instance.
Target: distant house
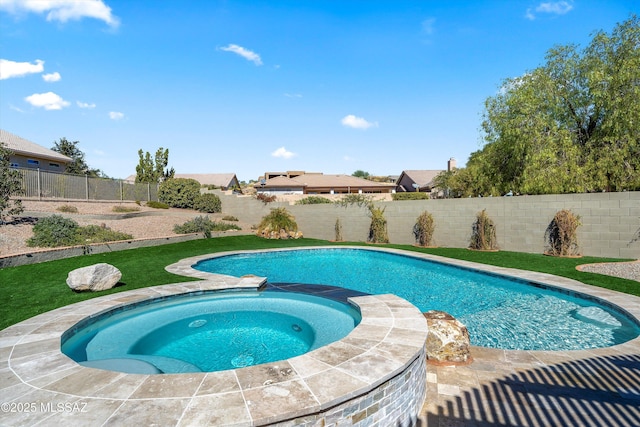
pixel 420 180
pixel 417 180
pixel 224 181
pixel 300 182
pixel 27 154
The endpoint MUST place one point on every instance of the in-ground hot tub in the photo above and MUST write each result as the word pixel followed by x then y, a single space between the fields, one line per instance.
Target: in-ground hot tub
pixel 375 375
pixel 208 332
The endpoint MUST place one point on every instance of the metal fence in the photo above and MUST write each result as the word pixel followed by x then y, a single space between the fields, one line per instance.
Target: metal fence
pixel 43 184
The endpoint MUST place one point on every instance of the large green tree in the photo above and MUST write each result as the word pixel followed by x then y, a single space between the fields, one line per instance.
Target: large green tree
pixel 153 170
pixel 472 180
pixel 361 174
pixel 10 186
pixel 570 125
pixel 78 166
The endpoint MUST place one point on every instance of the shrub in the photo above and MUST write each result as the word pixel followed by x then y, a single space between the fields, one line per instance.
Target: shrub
pixel 378 227
pixel 10 186
pixel 125 209
pixel 207 202
pixel 229 218
pixel 354 199
pixel 265 198
pixel 53 231
pixel 410 196
pixel 483 233
pixel 278 224
pixel 157 205
pixel 99 234
pixel 423 229
pixel 179 192
pixel 56 230
pixel 67 209
pixel 561 234
pixel 202 224
pixel 224 226
pixel 313 200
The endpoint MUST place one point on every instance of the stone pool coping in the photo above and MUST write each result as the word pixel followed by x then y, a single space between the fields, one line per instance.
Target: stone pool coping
pixel 39 384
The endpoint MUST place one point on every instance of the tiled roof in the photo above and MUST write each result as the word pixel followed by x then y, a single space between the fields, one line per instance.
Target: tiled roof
pixel 282 181
pixel 317 180
pixel 25 148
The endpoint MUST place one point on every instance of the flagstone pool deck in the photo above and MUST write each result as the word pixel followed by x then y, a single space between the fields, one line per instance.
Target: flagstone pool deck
pixel 595 387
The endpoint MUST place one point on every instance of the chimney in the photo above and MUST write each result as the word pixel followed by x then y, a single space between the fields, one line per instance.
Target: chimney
pixel 451 164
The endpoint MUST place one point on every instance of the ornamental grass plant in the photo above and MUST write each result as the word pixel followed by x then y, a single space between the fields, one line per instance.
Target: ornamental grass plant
pixel 423 229
pixel 278 224
pixel 483 233
pixel 561 234
pixel 378 227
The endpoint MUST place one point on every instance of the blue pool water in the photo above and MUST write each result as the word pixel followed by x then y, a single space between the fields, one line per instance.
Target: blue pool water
pixel 209 332
pixel 499 312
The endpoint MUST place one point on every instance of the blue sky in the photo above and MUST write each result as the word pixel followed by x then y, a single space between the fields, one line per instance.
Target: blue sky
pixel 255 86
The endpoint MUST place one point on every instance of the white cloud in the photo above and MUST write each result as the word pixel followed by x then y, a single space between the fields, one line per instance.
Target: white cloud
pixel 245 53
pixel 116 115
pixel 555 8
pixel 357 122
pixel 427 26
pixel 48 101
pixel 283 153
pixel 10 69
pixel 63 10
pixel 52 77
pixel 293 95
pixel 85 105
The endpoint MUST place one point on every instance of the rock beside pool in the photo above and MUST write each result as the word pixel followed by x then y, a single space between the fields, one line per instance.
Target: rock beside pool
pixel 448 340
pixel 94 278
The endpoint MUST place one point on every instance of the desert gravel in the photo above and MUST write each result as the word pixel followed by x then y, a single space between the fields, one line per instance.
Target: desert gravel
pixel 626 270
pixel 13 235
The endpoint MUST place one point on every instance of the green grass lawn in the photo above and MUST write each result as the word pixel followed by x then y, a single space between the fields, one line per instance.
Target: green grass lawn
pixel 33 289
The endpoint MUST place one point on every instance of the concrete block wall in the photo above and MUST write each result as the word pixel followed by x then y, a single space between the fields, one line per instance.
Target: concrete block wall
pixel 610 221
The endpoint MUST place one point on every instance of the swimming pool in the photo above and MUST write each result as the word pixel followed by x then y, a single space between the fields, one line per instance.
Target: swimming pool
pixel 498 311
pixel 208 332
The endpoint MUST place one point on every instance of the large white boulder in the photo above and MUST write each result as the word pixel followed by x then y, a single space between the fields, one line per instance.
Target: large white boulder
pixel 97 277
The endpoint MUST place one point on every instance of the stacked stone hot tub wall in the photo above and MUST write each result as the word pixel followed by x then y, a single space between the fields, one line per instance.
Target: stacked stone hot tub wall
pixel 393 403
